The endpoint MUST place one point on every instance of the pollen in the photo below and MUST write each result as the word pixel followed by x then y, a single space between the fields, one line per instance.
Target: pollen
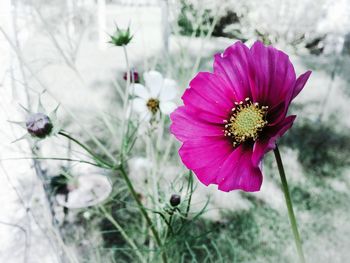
pixel 153 105
pixel 246 121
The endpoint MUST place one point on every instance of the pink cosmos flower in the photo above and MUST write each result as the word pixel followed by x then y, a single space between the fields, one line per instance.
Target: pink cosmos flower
pixel 232 117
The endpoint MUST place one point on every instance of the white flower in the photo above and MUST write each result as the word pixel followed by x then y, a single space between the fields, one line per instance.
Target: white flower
pixel 156 96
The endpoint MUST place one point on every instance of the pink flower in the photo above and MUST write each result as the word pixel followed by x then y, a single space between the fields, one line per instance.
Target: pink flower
pixel 232 117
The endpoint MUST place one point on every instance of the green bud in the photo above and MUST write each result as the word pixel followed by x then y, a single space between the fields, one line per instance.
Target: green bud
pixel 121 37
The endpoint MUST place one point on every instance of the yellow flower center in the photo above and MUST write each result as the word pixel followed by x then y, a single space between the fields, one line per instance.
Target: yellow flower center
pixel 153 105
pixel 246 121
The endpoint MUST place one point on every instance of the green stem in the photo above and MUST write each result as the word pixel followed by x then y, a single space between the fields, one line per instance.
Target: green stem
pixel 97 158
pixel 190 191
pixel 142 210
pixel 289 204
pixel 170 228
pixel 123 233
pixel 125 101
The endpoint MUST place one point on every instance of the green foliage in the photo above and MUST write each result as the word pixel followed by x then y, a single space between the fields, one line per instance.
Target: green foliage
pixel 187 15
pixel 197 22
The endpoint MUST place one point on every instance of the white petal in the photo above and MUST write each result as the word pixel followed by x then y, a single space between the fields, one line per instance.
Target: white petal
pixel 139 105
pixel 154 82
pixel 167 107
pixel 140 91
pixel 169 90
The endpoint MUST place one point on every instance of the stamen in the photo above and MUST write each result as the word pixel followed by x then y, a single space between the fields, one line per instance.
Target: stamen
pixel 153 105
pixel 246 121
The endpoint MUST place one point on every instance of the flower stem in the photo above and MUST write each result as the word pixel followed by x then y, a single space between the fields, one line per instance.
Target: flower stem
pixel 190 191
pixel 289 204
pixel 125 101
pixel 97 158
pixel 142 210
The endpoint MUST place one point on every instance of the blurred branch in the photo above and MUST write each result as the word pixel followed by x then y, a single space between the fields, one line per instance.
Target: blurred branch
pixel 55 42
pixel 51 158
pixel 43 86
pixel 209 33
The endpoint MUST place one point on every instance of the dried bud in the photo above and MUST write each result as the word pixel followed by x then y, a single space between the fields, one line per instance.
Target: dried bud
pixel 175 200
pixel 134 76
pixel 121 37
pixel 39 125
pixel 59 184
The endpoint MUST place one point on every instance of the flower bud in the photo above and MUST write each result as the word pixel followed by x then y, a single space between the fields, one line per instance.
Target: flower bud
pixel 39 125
pixel 134 76
pixel 175 200
pixel 121 37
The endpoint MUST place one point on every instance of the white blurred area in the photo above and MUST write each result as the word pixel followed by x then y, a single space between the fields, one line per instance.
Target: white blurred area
pixel 67 63
pixel 71 62
pixel 27 46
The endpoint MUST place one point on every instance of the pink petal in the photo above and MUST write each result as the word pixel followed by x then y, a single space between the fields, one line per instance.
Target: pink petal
pixel 237 172
pixel 233 159
pixel 213 89
pixel 268 143
pixel 207 175
pixel 204 152
pixel 300 83
pixel 209 98
pixel 204 109
pixel 186 126
pixel 274 75
pixel 234 67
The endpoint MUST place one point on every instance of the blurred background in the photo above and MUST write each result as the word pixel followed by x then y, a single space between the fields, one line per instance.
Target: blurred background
pixel 58 50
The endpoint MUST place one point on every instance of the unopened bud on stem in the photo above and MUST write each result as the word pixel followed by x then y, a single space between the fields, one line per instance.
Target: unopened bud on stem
pixel 175 200
pixel 121 37
pixel 134 76
pixel 39 125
